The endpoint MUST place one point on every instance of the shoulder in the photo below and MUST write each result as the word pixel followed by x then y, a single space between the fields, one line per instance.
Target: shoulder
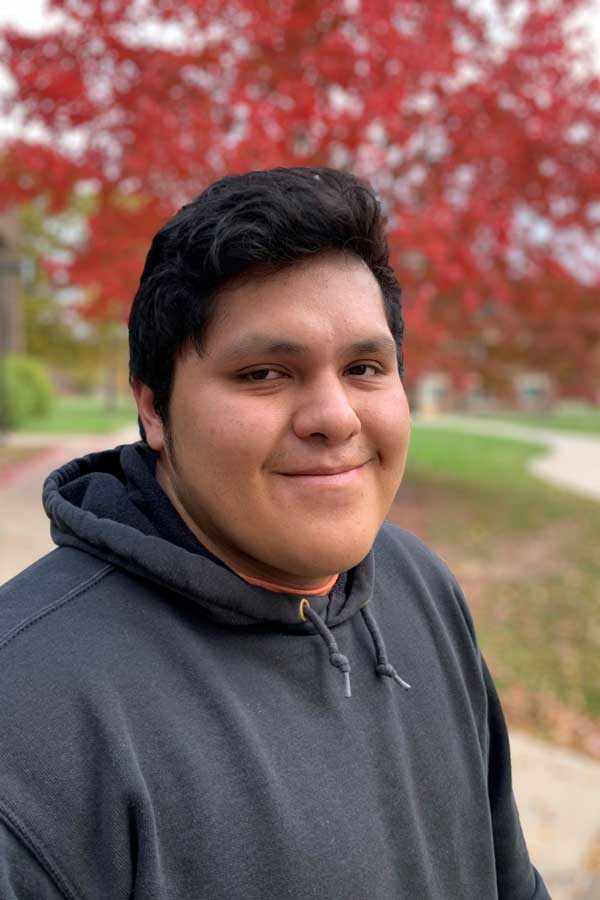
pixel 397 550
pixel 53 580
pixel 408 568
pixel 67 613
pixel 72 619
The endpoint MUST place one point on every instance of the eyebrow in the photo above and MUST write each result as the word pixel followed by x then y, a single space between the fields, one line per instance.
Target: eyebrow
pixel 266 345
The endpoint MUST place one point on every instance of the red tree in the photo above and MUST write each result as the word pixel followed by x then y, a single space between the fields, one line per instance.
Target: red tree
pixel 483 147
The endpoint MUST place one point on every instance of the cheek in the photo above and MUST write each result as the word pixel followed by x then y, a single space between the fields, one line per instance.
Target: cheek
pixel 389 424
pixel 228 441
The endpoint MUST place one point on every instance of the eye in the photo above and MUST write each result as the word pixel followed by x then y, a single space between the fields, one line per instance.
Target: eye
pixel 261 375
pixel 375 369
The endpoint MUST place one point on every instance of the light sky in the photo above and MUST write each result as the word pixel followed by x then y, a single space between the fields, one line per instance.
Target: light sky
pixel 29 15
pixel 24 14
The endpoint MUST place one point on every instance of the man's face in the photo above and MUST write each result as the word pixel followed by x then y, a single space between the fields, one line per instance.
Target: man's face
pixel 289 435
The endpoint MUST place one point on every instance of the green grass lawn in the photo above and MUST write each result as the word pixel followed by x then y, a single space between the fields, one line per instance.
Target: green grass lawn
pixel 586 420
pixel 527 556
pixel 82 415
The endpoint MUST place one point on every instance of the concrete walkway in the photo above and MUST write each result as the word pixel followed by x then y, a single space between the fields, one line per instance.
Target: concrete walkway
pixel 569 459
pixel 24 528
pixel 557 791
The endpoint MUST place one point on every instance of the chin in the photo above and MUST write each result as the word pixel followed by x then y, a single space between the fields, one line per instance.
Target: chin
pixel 319 560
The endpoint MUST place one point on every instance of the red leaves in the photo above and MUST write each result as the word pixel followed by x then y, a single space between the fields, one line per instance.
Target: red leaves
pixel 29 170
pixel 460 135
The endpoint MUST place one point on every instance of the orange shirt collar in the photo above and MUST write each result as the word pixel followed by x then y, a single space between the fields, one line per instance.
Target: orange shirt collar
pixel 279 589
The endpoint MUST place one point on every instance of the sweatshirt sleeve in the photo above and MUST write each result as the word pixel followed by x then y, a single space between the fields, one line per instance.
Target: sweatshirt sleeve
pixel 21 876
pixel 517 878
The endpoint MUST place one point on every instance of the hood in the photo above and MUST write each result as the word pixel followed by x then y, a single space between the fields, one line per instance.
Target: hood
pixel 110 505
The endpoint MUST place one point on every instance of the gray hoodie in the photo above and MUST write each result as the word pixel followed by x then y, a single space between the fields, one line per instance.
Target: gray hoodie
pixel 170 732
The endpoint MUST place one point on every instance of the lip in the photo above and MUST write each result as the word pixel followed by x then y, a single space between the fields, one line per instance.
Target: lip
pixel 323 477
pixel 323 470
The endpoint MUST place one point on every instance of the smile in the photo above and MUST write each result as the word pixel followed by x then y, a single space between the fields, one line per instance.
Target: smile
pixel 326 479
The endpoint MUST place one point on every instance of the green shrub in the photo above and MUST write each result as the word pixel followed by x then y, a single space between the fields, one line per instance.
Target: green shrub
pixel 28 389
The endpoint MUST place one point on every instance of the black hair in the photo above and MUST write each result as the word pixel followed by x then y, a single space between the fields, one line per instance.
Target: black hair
pixel 254 223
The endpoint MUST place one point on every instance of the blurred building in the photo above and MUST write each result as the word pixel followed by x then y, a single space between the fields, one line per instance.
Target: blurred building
pixel 436 392
pixel 533 390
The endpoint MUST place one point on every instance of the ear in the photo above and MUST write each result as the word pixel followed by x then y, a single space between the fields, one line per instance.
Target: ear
pixel 152 422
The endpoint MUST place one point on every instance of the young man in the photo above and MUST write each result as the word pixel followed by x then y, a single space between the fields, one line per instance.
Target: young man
pixel 233 678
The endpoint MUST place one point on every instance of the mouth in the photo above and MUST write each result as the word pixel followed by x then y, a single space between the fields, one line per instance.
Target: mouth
pixel 324 477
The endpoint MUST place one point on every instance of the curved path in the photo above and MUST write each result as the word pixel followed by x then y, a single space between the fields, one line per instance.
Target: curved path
pixel 571 460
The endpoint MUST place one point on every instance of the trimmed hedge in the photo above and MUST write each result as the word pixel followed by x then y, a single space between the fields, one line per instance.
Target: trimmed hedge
pixel 28 389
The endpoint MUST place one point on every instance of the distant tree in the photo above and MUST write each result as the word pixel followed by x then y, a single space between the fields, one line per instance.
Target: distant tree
pixel 84 353
pixel 481 139
pixel 48 321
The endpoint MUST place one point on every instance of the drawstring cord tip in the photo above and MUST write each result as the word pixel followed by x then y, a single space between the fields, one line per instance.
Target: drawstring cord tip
pixel 386 671
pixel 348 691
pixel 401 681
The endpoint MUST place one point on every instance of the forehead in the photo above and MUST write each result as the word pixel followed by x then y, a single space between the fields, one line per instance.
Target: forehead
pixel 328 298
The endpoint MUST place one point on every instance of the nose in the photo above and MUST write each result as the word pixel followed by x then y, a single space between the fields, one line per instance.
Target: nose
pixel 324 409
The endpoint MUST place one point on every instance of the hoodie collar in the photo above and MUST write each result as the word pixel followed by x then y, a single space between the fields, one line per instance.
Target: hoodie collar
pixel 110 504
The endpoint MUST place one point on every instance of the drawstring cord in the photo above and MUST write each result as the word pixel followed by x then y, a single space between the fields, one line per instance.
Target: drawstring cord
pixel 383 667
pixel 337 659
